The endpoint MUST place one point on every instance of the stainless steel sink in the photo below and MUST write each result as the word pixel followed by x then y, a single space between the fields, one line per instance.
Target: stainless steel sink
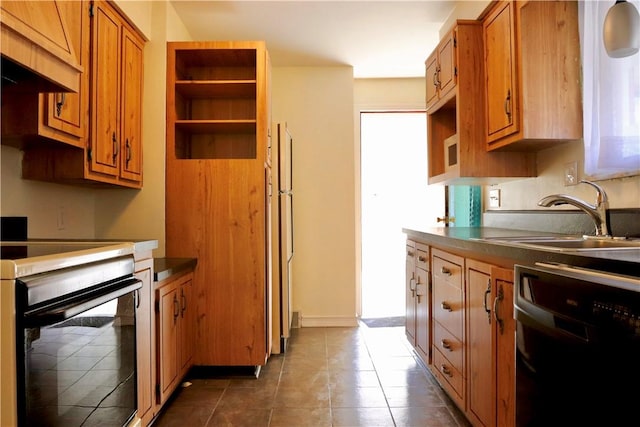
pixel 568 243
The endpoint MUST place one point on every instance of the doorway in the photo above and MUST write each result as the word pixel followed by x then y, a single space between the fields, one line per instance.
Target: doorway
pixel 394 194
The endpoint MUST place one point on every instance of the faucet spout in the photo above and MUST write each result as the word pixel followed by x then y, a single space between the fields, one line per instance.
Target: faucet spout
pixel 599 212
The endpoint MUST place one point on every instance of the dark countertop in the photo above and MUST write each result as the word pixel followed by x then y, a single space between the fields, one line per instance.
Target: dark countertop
pixel 164 268
pixel 463 240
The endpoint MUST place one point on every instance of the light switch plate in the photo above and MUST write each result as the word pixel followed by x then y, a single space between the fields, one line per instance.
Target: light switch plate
pixel 494 198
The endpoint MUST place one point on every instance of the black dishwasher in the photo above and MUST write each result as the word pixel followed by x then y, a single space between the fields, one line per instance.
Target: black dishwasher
pixel 577 347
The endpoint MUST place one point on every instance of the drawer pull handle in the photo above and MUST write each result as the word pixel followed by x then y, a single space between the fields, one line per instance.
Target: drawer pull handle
pixel 409 253
pixel 422 258
pixel 445 271
pixel 445 344
pixel 445 371
pixel 445 306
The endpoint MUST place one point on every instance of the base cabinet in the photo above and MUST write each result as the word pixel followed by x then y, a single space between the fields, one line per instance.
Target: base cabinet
pixel 174 322
pixel 472 330
pixel 418 300
pixel 145 341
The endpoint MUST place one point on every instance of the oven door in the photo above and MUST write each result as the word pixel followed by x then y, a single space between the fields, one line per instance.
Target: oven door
pixel 77 359
pixel 577 349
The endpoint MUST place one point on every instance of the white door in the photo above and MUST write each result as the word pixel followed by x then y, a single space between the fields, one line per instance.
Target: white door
pixel 394 194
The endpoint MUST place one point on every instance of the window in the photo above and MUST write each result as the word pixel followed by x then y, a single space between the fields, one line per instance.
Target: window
pixel 611 100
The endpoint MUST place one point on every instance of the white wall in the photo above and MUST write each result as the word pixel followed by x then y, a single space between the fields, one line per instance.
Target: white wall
pixel 525 193
pixel 317 104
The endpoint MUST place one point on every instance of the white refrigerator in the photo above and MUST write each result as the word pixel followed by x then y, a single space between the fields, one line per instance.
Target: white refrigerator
pixel 282 235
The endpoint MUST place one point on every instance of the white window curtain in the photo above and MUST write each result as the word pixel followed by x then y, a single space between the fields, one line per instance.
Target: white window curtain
pixel 611 100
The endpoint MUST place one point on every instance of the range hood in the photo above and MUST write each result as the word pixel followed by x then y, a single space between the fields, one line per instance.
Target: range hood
pixel 37 53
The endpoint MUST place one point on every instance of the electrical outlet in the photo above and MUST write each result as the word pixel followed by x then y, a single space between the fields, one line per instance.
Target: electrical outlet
pixel 571 173
pixel 494 198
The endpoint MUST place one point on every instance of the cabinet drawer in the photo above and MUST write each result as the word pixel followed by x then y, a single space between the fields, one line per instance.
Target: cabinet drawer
pixel 448 345
pixel 448 308
pixel 447 267
pixel 448 375
pixel 422 259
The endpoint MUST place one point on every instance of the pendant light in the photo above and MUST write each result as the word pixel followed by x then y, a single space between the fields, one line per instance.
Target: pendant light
pixel 621 33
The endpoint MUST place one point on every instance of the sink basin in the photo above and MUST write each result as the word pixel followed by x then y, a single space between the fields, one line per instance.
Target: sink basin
pixel 568 243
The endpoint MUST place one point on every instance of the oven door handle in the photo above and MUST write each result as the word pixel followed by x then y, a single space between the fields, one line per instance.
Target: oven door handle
pixel 57 313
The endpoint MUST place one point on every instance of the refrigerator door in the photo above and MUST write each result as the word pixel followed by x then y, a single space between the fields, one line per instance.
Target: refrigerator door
pixel 282 233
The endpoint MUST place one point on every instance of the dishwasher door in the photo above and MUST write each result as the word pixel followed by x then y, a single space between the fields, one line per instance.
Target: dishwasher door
pixel 577 347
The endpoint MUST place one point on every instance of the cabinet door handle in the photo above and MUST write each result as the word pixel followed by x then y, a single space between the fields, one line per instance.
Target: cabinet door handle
pixel 114 141
pixel 507 105
pixel 176 308
pixel 444 270
pixel 446 345
pixel 497 299
pixel 445 306
pixel 435 78
pixel 412 287
pixel 484 302
pixel 60 103
pixel 183 302
pixel 445 371
pixel 128 153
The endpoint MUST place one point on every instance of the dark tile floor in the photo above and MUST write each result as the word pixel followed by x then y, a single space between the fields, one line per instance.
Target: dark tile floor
pixel 328 377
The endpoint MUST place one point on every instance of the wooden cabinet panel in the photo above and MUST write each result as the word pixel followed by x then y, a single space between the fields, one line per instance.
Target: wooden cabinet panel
pixel 217 193
pixel 115 152
pixel 410 292
pixel 500 62
pixel 59 116
pixel 422 313
pixel 480 346
pixel 441 70
pixel 504 336
pixel 174 316
pixel 449 346
pixel 144 341
pixel 450 378
pixel 532 70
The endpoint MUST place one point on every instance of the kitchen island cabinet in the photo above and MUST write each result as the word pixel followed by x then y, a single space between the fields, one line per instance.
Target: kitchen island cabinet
pixel 145 356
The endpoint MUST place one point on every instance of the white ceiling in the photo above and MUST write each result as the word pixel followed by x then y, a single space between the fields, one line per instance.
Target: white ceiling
pixel 377 38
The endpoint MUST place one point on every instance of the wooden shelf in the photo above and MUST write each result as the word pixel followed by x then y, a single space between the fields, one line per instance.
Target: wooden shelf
pixel 202 89
pixel 216 126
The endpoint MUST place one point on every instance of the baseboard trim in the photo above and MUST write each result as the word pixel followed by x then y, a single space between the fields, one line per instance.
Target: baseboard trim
pixel 328 321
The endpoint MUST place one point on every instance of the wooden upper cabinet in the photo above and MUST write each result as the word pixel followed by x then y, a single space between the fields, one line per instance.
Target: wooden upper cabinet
pixel 502 91
pixel 55 116
pixel 441 70
pixel 116 97
pixel 532 71
pixel 35 36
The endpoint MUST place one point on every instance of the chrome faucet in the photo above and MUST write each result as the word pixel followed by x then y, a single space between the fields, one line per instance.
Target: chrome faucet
pixel 598 212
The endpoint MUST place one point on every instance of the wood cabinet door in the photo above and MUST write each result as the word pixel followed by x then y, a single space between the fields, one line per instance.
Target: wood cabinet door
pixel 500 72
pixel 168 313
pixel 447 64
pixel 186 324
pixel 131 115
pixel 431 74
pixel 144 344
pixel 479 344
pixel 68 112
pixel 105 94
pixel 422 313
pixel 505 332
pixel 410 314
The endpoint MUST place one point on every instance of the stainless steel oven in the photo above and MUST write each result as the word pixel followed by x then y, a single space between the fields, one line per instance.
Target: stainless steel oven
pixel 577 347
pixel 75 337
